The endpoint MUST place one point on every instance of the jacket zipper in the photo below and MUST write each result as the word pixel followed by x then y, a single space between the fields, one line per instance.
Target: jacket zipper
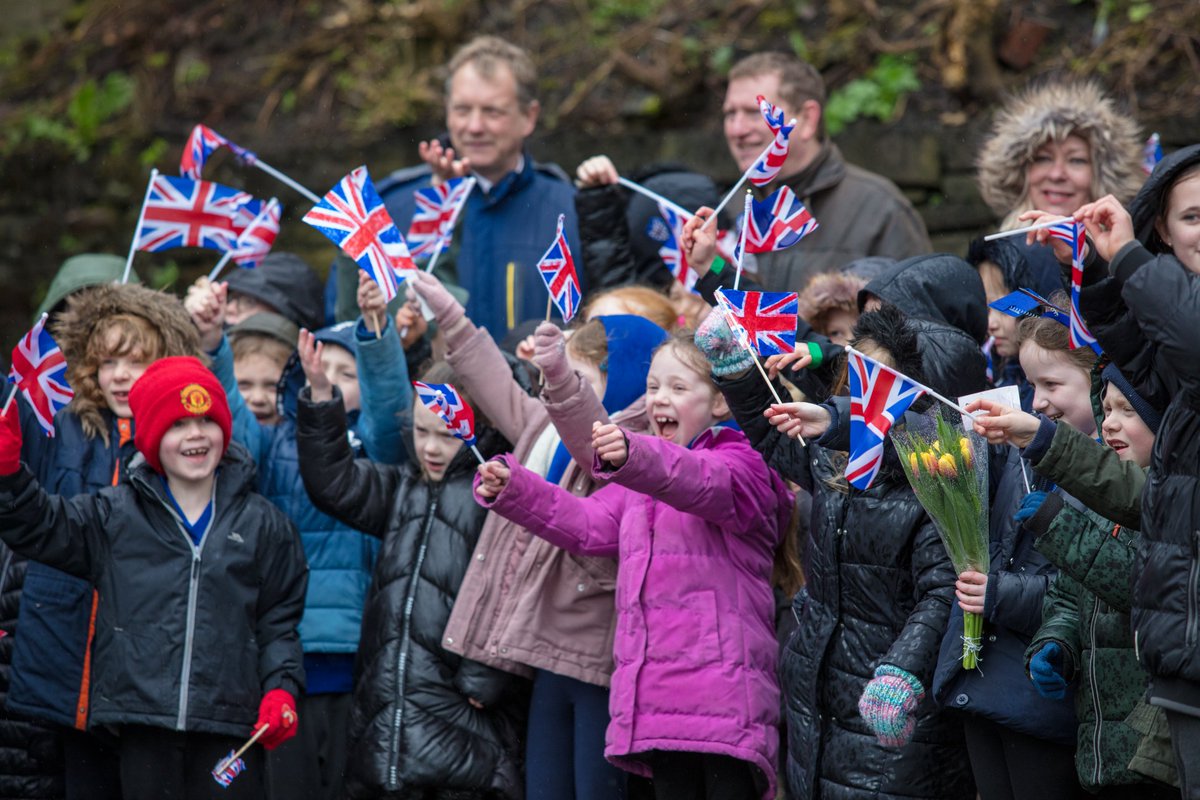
pixel 402 660
pixel 1191 591
pixel 1095 696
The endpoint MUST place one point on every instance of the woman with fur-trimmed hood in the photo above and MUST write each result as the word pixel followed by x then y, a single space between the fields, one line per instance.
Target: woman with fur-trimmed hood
pixel 1056 146
pixel 109 333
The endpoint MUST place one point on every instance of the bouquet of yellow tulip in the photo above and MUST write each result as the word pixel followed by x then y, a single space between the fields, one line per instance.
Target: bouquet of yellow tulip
pixel 948 472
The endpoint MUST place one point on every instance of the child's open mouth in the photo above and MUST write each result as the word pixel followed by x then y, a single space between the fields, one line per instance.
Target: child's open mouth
pixel 195 453
pixel 666 425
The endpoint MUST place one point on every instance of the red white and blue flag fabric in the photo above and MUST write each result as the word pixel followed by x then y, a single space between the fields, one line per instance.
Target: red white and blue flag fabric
pixel 39 371
pixel 771 161
pixel 255 242
pixel 1151 153
pixel 432 223
pixel 227 769
pixel 668 231
pixel 354 218
pixel 776 223
pixel 1071 232
pixel 557 269
pixel 443 400
pixel 878 397
pixel 769 319
pixel 203 142
pixel 181 212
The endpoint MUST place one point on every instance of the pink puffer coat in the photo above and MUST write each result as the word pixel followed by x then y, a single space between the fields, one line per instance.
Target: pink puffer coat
pixel 695 531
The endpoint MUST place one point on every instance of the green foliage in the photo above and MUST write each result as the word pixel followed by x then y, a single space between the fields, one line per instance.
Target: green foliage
pixel 154 151
pixel 877 94
pixel 78 129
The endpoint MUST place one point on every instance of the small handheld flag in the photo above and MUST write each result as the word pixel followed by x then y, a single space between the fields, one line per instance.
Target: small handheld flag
pixel 1151 153
pixel 1071 232
pixel 227 769
pixel 39 371
pixel 445 402
pixel 203 142
pixel 668 230
pixel 557 269
pixel 769 319
pixel 771 161
pixel 255 242
pixel 180 212
pixel 734 319
pixel 777 222
pixel 878 397
pixel 437 208
pixel 353 217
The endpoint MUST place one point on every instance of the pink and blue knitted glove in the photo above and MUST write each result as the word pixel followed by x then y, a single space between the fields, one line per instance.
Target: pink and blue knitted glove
pixel 888 702
pixel 720 346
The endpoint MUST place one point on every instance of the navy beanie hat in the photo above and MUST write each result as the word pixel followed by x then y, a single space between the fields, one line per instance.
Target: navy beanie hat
pixel 1149 414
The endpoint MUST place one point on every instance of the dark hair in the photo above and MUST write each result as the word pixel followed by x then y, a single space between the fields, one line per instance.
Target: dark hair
pixel 888 328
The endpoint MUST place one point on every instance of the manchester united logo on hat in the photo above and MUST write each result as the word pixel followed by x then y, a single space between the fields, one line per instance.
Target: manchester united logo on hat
pixel 196 399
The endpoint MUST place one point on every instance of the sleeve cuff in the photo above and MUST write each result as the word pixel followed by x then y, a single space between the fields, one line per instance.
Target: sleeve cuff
pixel 1128 260
pixel 718 264
pixel 1036 450
pixel 830 437
pixel 1040 522
pixel 814 352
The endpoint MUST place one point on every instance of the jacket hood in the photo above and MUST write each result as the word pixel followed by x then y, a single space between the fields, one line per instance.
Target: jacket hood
pixel 264 323
pixel 286 283
pixel 951 361
pixel 80 272
pixel 632 341
pixel 1053 111
pixel 868 267
pixel 938 287
pixel 1023 266
pixel 1152 198
pixel 85 310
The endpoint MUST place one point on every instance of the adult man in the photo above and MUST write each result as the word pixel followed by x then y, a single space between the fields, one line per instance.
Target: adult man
pixel 860 213
pixel 509 219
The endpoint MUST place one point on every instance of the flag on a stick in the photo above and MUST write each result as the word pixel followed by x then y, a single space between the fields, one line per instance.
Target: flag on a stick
pixel 255 242
pixel 1072 233
pixel 776 223
pixel 445 402
pixel 432 223
pixel 557 269
pixel 180 212
pixel 878 397
pixel 203 142
pixel 768 319
pixel 771 161
pixel 353 217
pixel 668 230
pixel 39 371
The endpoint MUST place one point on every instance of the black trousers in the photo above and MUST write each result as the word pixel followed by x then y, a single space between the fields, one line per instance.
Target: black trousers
pixel 1013 766
pixel 91 765
pixel 703 776
pixel 159 764
pixel 1185 741
pixel 312 764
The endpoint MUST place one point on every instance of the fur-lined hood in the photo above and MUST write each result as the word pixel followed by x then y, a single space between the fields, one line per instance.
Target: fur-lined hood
pixel 76 325
pixel 1052 111
pixel 827 292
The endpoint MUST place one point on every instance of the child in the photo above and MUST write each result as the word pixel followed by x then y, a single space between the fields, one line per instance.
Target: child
pixel 696 518
pixel 201 584
pixel 1085 631
pixel 829 304
pixel 262 345
pixel 340 559
pixel 527 606
pixel 109 334
pixel 876 598
pixel 1021 743
pixel 459 721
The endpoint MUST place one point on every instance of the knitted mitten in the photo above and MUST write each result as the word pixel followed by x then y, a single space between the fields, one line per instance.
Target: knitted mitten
pixel 717 342
pixel 887 704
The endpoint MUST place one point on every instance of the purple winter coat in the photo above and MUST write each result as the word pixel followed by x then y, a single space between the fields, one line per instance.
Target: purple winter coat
pixel 695 650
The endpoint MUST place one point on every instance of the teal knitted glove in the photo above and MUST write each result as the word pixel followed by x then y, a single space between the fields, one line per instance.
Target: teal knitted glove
pixel 720 346
pixel 888 702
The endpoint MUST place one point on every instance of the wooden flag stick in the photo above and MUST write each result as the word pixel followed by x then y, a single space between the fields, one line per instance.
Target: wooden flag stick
pixel 224 765
pixel 375 325
pixel 549 302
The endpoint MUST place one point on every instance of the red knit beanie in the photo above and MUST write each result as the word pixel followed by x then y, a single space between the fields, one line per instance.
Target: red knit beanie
pixel 172 389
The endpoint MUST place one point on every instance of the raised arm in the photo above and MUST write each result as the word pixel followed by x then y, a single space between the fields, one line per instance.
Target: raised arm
pixel 568 397
pixel 387 396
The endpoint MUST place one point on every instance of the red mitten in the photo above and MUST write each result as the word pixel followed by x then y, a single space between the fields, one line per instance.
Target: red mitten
pixel 10 440
pixel 278 710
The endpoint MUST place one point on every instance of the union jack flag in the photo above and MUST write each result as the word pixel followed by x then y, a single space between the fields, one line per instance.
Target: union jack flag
pixel 180 212
pixel 1071 232
pixel 768 319
pixel 200 145
pixel 669 232
pixel 878 397
pixel 227 769
pixel 443 400
pixel 777 222
pixel 353 216
pixel 433 221
pixel 771 161
pixel 557 269
pixel 1151 153
pixel 254 243
pixel 39 371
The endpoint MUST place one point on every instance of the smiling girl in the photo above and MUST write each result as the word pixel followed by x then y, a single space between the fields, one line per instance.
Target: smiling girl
pixel 695 517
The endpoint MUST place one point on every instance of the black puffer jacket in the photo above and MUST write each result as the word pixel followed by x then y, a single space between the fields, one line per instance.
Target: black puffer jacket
pixel 411 726
pixel 613 222
pixel 878 590
pixel 1145 312
pixel 187 638
pixel 939 287
pixel 31 763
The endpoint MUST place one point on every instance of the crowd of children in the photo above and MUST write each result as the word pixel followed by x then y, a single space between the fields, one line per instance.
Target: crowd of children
pixel 649 577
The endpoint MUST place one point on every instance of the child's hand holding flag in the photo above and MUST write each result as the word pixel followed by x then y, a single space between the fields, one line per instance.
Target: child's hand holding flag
pixel 493 477
pixel 700 242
